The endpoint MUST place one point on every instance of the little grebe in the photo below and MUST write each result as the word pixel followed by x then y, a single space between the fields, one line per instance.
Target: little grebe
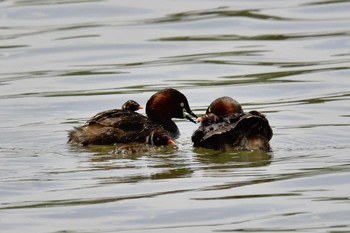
pixel 226 127
pixel 132 105
pixel 154 143
pixel 125 125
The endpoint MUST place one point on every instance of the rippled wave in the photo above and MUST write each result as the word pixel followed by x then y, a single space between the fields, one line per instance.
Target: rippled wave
pixel 63 61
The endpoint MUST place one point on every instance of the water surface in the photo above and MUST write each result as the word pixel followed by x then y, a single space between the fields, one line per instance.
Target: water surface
pixel 64 61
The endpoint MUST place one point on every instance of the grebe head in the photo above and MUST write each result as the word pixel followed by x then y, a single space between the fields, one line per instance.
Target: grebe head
pixel 224 106
pixel 159 138
pixel 208 119
pixel 167 104
pixel 131 105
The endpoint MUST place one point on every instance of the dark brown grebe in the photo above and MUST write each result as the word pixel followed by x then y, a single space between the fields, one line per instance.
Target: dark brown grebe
pixel 125 125
pixel 226 127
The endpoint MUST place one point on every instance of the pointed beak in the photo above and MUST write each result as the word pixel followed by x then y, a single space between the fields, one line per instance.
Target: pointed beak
pixel 140 107
pixel 171 142
pixel 188 114
pixel 199 119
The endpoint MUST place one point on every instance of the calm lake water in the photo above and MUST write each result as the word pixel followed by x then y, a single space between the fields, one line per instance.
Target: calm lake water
pixel 63 61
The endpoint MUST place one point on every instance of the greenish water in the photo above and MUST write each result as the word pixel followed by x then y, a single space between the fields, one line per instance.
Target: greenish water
pixel 63 61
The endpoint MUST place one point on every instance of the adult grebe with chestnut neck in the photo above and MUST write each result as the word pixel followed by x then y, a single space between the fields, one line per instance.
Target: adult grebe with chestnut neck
pixel 126 125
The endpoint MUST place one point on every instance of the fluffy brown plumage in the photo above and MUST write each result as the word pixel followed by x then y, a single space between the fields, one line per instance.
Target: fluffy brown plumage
pixel 232 129
pixel 125 125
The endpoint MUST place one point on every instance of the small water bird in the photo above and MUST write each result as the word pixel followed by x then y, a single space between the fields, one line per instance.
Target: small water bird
pixel 125 125
pixel 225 126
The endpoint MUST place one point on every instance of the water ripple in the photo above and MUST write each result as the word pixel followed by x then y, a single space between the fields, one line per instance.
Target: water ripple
pixel 63 61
